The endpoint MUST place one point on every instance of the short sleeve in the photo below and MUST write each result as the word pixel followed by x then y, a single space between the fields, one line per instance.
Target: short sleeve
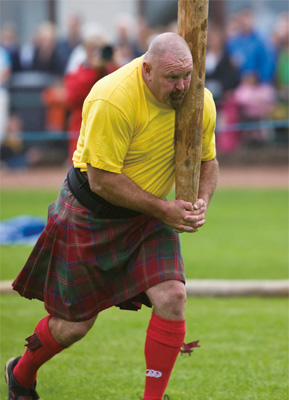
pixel 107 136
pixel 209 126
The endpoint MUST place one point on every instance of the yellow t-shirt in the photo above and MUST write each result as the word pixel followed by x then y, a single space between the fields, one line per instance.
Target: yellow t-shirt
pixel 125 129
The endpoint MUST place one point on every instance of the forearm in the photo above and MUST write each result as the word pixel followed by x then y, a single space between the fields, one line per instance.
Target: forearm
pixel 208 180
pixel 120 190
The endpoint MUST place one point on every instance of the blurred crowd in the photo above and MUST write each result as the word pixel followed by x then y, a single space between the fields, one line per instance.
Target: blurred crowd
pixel 248 75
pixel 43 83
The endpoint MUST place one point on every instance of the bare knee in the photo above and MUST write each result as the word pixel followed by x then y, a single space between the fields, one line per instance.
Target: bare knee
pixel 66 333
pixel 168 299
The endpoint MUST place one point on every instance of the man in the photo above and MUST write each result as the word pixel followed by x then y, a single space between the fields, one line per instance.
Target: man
pixel 98 63
pixel 111 237
pixel 249 51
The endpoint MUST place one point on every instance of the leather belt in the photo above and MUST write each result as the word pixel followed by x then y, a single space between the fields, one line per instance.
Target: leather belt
pixel 79 186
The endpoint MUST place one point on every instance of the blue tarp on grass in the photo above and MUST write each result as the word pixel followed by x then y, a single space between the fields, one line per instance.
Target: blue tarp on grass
pixel 21 230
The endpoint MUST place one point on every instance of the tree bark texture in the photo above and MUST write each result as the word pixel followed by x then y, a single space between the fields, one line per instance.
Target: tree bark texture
pixel 192 26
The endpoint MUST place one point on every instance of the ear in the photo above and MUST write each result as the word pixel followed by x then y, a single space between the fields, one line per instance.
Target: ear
pixel 147 67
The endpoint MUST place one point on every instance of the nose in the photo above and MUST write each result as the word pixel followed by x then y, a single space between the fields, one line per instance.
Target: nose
pixel 180 85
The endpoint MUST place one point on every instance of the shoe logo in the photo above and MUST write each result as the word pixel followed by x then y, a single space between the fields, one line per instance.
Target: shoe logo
pixel 153 374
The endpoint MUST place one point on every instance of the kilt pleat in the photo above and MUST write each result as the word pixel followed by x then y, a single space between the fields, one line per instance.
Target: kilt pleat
pixel 82 264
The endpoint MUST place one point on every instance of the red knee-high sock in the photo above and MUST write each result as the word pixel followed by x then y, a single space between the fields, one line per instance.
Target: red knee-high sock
pixel 40 348
pixel 163 342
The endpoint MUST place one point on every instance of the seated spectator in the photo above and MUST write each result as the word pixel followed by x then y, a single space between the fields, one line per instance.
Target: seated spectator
pixel 221 73
pixel 13 152
pixel 99 62
pixel 27 52
pixel 131 37
pixel 78 55
pixel 54 99
pixel 45 57
pixel 256 99
pixel 256 62
pixel 9 41
pixel 251 101
pixel 144 35
pixel 222 78
pixel 125 42
pixel 72 39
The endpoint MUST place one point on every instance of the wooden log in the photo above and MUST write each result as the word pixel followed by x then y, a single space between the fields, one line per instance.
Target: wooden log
pixel 215 288
pixel 192 26
pixel 234 288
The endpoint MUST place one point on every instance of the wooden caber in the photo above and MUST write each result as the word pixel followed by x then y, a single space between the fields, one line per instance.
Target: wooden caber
pixel 192 26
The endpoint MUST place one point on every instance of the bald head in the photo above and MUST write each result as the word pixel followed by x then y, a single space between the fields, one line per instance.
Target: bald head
pixel 167 43
pixel 167 67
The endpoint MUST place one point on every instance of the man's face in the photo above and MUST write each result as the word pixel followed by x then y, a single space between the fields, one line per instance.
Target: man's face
pixel 170 78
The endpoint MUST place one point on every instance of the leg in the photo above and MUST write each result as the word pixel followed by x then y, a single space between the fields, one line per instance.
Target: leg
pixel 51 336
pixel 168 299
pixel 66 333
pixel 165 335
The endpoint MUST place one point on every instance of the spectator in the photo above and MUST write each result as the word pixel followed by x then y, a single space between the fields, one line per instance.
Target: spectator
pixel 78 55
pixel 232 27
pixel 13 152
pixel 256 99
pixel 144 35
pixel 54 99
pixel 9 42
pixel 125 43
pixel 99 62
pixel 46 58
pixel 281 111
pixel 281 39
pixel 281 31
pixel 66 45
pixel 282 76
pixel 249 51
pixel 28 51
pixel 132 37
pixel 5 72
pixel 221 78
pixel 221 73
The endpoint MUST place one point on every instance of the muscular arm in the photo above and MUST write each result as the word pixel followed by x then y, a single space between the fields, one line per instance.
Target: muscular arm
pixel 120 190
pixel 208 180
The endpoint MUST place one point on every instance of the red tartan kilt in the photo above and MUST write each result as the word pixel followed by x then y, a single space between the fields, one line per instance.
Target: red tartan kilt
pixel 82 265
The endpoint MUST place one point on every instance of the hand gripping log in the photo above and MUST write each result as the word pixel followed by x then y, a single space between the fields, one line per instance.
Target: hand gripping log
pixel 192 26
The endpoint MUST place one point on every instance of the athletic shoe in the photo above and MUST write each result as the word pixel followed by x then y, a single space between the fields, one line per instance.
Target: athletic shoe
pixel 16 391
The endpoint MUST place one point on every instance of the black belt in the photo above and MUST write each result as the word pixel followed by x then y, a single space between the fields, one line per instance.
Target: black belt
pixel 79 186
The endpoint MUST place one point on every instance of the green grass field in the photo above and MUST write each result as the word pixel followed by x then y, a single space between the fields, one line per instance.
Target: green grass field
pixel 243 353
pixel 245 237
pixel 244 341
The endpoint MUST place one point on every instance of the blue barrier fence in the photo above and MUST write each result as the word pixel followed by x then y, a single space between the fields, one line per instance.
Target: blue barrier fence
pixel 241 127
